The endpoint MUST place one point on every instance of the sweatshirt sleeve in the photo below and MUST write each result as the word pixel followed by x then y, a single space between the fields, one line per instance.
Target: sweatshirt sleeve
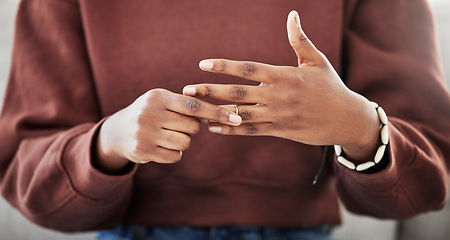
pixel 49 120
pixel 391 57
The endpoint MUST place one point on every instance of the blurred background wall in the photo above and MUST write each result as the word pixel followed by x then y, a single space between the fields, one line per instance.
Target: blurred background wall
pixel 431 226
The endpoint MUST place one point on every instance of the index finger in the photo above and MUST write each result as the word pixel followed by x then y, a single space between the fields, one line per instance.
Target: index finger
pixel 253 71
pixel 194 107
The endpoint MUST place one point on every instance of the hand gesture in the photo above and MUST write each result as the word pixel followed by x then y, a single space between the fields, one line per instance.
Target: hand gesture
pixel 308 103
pixel 157 127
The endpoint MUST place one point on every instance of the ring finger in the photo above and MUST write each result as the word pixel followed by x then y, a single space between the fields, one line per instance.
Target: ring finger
pixel 245 129
pixel 250 113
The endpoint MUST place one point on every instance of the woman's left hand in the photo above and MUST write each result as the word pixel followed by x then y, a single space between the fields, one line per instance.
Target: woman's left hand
pixel 308 104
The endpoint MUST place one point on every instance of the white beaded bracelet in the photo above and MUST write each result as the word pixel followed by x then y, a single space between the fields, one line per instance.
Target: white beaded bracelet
pixel 381 150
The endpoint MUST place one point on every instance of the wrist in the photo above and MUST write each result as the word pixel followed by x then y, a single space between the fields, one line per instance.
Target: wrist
pixel 365 138
pixel 377 152
pixel 106 158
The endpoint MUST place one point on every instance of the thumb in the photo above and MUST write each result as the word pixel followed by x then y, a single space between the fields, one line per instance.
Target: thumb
pixel 303 47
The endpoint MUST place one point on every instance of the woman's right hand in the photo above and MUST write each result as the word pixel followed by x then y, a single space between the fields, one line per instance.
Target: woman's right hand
pixel 156 127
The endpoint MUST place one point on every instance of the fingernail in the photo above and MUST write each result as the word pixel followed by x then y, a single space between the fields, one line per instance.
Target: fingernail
pixel 215 129
pixel 204 121
pixel 234 118
pixel 190 91
pixel 297 19
pixel 206 65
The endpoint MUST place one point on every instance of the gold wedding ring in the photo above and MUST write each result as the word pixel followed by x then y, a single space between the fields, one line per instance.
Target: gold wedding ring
pixel 237 109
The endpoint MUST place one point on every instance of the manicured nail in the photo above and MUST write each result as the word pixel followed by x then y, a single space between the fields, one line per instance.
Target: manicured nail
pixel 206 65
pixel 297 19
pixel 234 118
pixel 215 129
pixel 190 91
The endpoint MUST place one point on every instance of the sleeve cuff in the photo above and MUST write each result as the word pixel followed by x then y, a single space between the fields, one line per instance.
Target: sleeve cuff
pixel 388 177
pixel 77 159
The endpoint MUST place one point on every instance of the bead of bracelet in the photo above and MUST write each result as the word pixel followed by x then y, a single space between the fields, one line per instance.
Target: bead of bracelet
pixel 384 136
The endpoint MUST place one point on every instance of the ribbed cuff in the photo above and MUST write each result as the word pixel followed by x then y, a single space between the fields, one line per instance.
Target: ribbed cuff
pixel 85 178
pixel 388 177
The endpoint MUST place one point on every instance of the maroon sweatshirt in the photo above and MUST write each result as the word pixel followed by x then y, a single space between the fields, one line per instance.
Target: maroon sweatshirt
pixel 75 62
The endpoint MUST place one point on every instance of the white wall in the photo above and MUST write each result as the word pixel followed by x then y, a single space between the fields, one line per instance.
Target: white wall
pixel 432 226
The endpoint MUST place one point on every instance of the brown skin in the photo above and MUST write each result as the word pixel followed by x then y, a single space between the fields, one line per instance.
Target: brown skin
pixel 308 104
pixel 156 127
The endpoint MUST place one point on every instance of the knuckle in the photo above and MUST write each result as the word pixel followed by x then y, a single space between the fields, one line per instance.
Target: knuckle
pixel 165 156
pixel 221 114
pixel 299 43
pixel 172 157
pixel 195 128
pixel 304 38
pixel 155 93
pixel 238 93
pixel 231 130
pixel 180 142
pixel 248 69
pixel 220 65
pixel 251 129
pixel 186 144
pixel 192 104
pixel 245 115
pixel 183 142
pixel 155 97
pixel 208 91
